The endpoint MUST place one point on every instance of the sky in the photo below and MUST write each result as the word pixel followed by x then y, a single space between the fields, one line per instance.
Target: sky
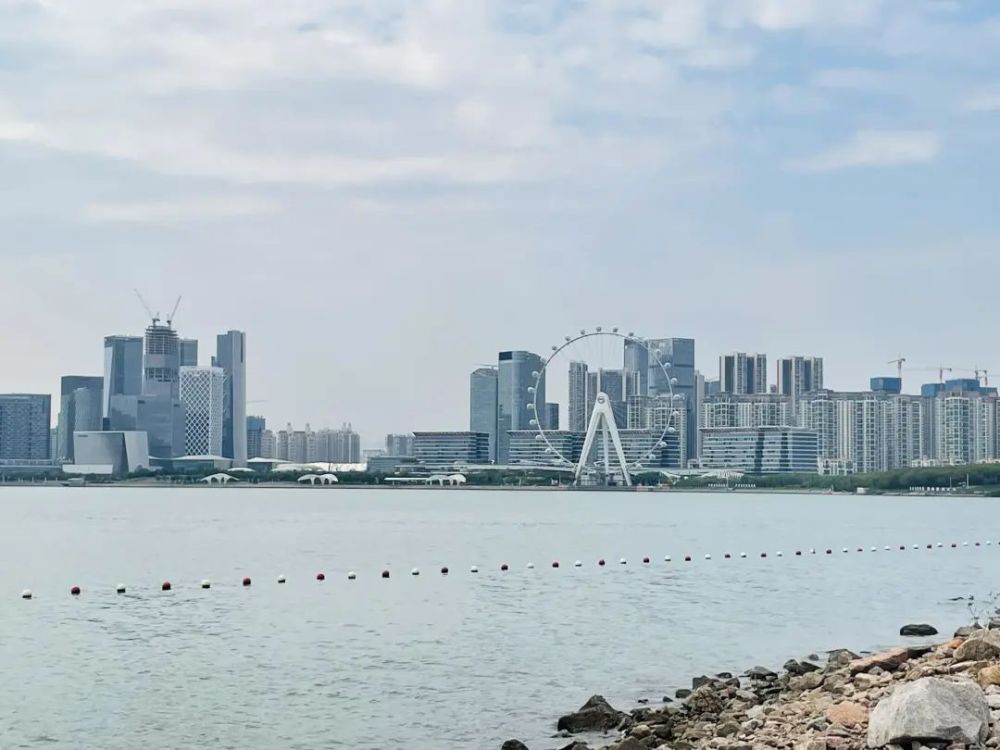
pixel 384 194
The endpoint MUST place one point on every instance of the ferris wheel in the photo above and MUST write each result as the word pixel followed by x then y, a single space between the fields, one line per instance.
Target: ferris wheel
pixel 601 421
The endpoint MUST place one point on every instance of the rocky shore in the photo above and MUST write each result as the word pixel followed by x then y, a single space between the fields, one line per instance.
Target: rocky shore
pixel 936 697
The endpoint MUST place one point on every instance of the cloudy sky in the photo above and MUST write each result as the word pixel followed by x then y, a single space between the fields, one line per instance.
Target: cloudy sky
pixel 385 193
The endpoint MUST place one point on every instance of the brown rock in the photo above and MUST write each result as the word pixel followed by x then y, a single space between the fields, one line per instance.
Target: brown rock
pixel 888 660
pixel 984 644
pixel 847 714
pixel 989 676
pixel 629 743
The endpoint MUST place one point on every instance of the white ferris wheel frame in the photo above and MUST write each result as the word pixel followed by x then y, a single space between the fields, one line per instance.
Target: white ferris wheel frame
pixel 602 418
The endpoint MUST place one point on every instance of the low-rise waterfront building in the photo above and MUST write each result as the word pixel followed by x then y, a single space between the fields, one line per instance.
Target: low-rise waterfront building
pixel 760 450
pixel 447 449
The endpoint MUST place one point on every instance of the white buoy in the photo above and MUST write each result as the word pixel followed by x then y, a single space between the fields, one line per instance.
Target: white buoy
pixel 26 594
pixel 887 548
pixel 206 584
pixel 916 546
pixel 474 569
pixel 531 566
pixel 281 579
pixel 623 561
pixel 743 554
pixel 666 558
pixel 965 544
pixel 578 564
pixel 988 542
pixel 351 575
pixel 941 545
pixel 874 549
pixel 844 549
pixel 415 572
pixel 120 588
pixel 778 553
pixel 708 557
pixel 812 551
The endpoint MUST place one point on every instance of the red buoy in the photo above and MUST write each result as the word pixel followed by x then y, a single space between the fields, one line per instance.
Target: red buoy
pixel 385 573
pixel 727 556
pixel 902 547
pixel 165 586
pixel 320 576
pixel 75 591
pixel 504 567
pixel 444 570
pixel 555 563
pixel 829 552
pixel 247 581
pixel 645 560
pixel 601 561
pixel 763 554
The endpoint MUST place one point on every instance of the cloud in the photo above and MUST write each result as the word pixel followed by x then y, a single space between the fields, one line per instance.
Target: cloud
pixel 985 100
pixel 172 211
pixel 873 148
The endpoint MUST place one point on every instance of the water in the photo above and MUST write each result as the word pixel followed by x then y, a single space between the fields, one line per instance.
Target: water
pixel 443 663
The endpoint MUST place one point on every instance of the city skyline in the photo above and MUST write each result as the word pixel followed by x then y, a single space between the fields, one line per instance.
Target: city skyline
pixel 801 176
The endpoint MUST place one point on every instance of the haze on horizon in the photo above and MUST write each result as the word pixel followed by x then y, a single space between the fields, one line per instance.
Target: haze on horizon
pixel 384 194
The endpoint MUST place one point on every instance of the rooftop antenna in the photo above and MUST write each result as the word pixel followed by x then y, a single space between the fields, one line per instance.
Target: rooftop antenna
pixel 155 317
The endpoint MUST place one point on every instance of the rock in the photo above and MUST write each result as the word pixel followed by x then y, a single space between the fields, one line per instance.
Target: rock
pixel 918 630
pixel 666 699
pixel 629 743
pixel 756 712
pixel 930 709
pixel 809 681
pixel 915 652
pixel 574 745
pixel 727 729
pixel 966 630
pixel 682 693
pixel 840 657
pixel 725 675
pixel 760 673
pixel 993 701
pixel 888 660
pixel 989 675
pixel 513 745
pixel 594 715
pixel 847 714
pixel 697 682
pixel 983 644
pixel 641 731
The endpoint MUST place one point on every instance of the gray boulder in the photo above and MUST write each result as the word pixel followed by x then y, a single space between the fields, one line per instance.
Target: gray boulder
pixel 981 645
pixel 930 709
pixel 966 630
pixel 918 629
pixel 595 715
pixel 513 745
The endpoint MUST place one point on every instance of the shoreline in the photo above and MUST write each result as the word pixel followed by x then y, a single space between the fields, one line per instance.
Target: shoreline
pixel 834 703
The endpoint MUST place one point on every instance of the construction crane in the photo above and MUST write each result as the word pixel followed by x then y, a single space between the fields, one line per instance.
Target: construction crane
pixel 940 370
pixel 170 318
pixel 155 317
pixel 899 365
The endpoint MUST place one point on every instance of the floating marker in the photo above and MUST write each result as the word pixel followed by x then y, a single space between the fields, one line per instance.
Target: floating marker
pixel 666 558
pixel 727 556
pixel 206 584
pixel 874 549
pixel 26 594
pixel 623 561
pixel 930 546
pixel 578 564
pixel 351 575
pixel 645 561
pixel 708 557
pixel 120 588
pixel 503 567
pixel 415 572
pixel 812 551
pixel 281 579
pixel 763 554
pixel 844 549
pixel 247 581
pixel 555 563
pixel 165 586
pixel 965 544
pixel 473 569
pixel 887 548
pixel 531 566
pixel 385 573
pixel 687 558
pixel 779 554
pixel 743 554
pixel 798 553
pixel 321 576
pixel 75 591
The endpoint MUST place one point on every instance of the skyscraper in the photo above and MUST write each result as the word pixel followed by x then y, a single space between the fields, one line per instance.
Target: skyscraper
pixel 551 416
pixel 798 375
pixel 160 417
pixel 256 427
pixel 80 409
pixel 122 369
pixel 25 426
pixel 201 391
pixel 515 374
pixel 231 357
pixel 677 355
pixel 741 373
pixel 482 406
pixel 578 415
pixel 161 362
pixel 189 352
pixel 402 445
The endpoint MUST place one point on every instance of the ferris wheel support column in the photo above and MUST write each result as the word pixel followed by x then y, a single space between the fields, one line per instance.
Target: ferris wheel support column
pixel 604 417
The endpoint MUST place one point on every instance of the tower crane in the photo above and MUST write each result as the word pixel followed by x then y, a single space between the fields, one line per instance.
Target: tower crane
pixel 155 317
pixel 899 365
pixel 940 370
pixel 170 318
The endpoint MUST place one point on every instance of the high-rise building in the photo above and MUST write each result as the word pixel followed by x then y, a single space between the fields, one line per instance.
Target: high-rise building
pixel 282 442
pixel 578 415
pixel 402 445
pixel 618 386
pixel 189 352
pixel 25 426
pixel 161 362
pixel 798 375
pixel 122 369
pixel 256 427
pixel 161 417
pixel 551 416
pixel 741 373
pixel 341 446
pixel 482 407
pixel 231 357
pixel 268 444
pixel 80 408
pixel 749 410
pixel 677 355
pixel 201 391
pixel 515 375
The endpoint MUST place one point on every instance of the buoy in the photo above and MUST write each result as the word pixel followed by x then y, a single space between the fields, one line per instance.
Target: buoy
pixel 206 584
pixel 281 579
pixel 578 564
pixel 965 544
pixel 902 547
pixel 247 581
pixel 75 591
pixel 930 546
pixel 887 549
pixel 645 561
pixel 351 575
pixel 601 562
pixel 687 558
pixel 120 588
pixel 844 549
pixel 727 556
pixel 743 554
pixel 977 544
pixel 988 542
pixel 874 549
pixel 708 557
pixel 763 554
pixel 415 572
pixel 321 576
pixel 916 546
pixel 473 569
pixel 779 554
pixel 812 550
pixel 165 586
pixel 26 594
pixel 531 566
pixel 798 553
pixel 504 567
pixel 941 545
pixel 860 549
pixel 555 563
pixel 666 558
pixel 829 552
pixel 622 561
pixel 385 573
pixel 953 545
